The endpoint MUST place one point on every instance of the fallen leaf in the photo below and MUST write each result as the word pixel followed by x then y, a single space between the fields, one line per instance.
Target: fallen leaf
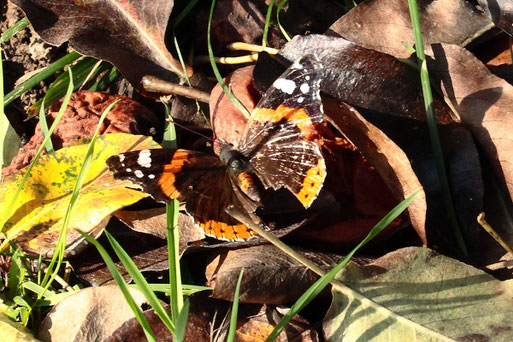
pixel 267 274
pixel 154 222
pixel 482 101
pixel 385 25
pixel 207 322
pixel 36 218
pixel 92 314
pixel 377 82
pixel 129 34
pixel 389 161
pixel 418 294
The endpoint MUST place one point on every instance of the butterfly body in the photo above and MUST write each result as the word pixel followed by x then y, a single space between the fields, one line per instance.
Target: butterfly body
pixel 275 151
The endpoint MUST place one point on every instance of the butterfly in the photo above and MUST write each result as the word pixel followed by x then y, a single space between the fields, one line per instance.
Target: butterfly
pixel 275 151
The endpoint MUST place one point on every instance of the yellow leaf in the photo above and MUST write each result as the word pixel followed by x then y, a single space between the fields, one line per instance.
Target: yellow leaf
pixel 35 221
pixel 12 331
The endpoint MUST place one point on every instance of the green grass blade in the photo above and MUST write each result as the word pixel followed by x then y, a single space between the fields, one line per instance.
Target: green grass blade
pixel 282 29
pixel 106 80
pixel 181 321
pixel 235 309
pixel 83 70
pixel 16 274
pixel 47 72
pixel 141 283
pixel 44 127
pixel 4 122
pixel 173 240
pixel 58 256
pixel 322 282
pixel 432 126
pixel 118 278
pixel 267 23
pixel 7 213
pixel 219 79
pixel 11 31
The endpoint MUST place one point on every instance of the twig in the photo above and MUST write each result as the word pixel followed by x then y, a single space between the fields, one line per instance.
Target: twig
pixel 481 220
pixel 228 60
pixel 154 84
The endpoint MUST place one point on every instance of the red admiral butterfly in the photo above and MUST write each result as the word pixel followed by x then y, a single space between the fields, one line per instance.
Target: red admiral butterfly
pixel 276 146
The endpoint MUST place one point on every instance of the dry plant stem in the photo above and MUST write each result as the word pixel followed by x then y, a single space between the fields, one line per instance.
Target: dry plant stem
pixel 499 265
pixel 339 286
pixel 58 279
pixel 228 60
pixel 237 46
pixel 481 220
pixel 153 84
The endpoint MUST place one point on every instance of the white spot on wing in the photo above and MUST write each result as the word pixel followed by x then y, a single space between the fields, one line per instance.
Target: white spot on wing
pixel 144 158
pixel 152 176
pixel 128 170
pixel 287 86
pixel 300 99
pixel 305 88
pixel 139 174
pixel 121 157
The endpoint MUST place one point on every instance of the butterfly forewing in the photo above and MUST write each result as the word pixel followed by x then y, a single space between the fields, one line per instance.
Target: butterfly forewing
pixel 200 179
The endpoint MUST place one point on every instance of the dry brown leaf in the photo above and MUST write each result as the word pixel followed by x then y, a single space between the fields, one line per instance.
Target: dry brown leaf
pixel 482 101
pixel 92 314
pixel 385 25
pixel 270 275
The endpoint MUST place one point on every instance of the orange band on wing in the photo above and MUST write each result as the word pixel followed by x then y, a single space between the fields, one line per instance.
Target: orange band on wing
pixel 295 115
pixel 167 180
pixel 312 184
pixel 221 230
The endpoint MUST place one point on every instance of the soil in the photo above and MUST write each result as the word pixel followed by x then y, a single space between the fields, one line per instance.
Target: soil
pixel 23 56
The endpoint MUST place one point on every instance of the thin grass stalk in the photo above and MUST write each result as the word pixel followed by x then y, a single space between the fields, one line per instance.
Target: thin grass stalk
pixel 282 29
pixel 4 122
pixel 235 309
pixel 432 126
pixel 47 72
pixel 44 127
pixel 173 239
pixel 219 79
pixel 267 23
pixel 11 31
pixel 177 22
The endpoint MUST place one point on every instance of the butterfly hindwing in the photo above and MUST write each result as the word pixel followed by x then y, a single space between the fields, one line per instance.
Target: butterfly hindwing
pixel 276 139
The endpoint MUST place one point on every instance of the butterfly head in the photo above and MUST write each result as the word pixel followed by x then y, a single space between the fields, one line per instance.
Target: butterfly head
pixel 232 158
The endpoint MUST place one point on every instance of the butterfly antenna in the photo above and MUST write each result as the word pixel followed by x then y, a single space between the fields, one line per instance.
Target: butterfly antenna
pixel 190 130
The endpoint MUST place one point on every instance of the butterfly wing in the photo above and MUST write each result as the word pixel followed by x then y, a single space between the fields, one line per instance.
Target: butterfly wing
pixel 276 138
pixel 199 179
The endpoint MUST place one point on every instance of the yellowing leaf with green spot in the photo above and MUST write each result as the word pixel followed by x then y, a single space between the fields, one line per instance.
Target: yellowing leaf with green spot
pixel 35 221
